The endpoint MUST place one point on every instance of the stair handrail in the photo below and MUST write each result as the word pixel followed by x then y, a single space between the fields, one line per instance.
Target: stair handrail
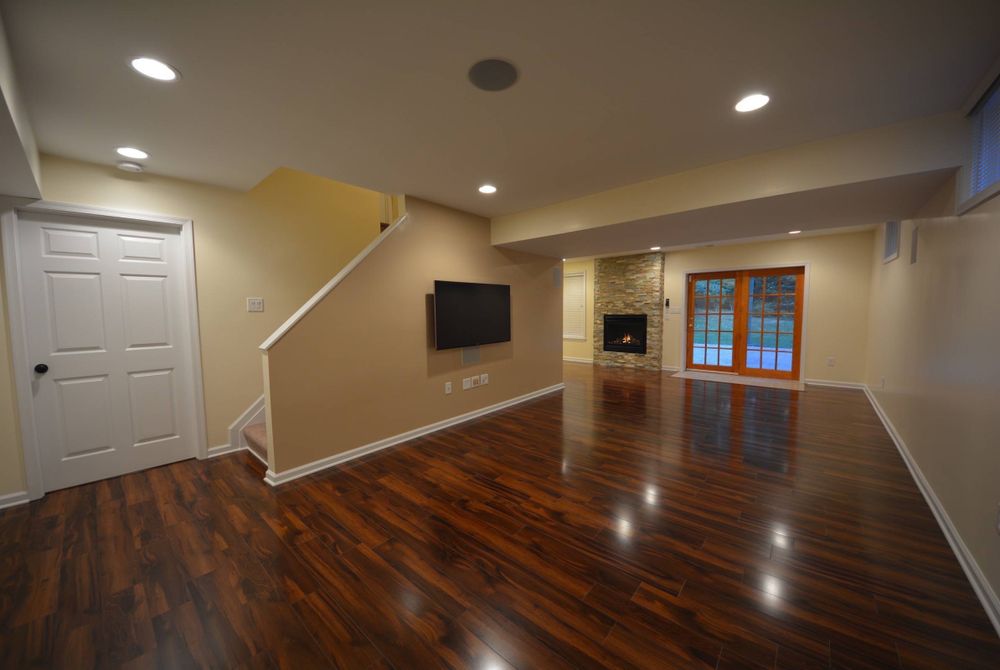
pixel 330 285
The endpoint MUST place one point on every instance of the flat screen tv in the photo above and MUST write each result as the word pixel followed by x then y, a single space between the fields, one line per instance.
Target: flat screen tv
pixel 467 315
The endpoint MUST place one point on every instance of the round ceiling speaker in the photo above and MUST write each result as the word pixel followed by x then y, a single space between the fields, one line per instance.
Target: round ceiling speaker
pixel 493 74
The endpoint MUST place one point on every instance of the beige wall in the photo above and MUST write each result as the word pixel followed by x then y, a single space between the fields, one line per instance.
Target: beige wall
pixel 360 366
pixel 19 169
pixel 933 339
pixel 836 296
pixel 282 240
pixel 582 349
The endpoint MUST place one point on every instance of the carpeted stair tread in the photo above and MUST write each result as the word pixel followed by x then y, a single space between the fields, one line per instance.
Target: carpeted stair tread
pixel 256 437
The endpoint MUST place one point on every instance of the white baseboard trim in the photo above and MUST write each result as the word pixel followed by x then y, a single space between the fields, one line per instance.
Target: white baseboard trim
pixel 253 414
pixel 13 499
pixel 577 359
pixel 670 368
pixel 277 478
pixel 222 450
pixel 835 384
pixel 987 596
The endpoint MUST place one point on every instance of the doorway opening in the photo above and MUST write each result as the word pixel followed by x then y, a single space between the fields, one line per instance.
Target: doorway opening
pixel 747 322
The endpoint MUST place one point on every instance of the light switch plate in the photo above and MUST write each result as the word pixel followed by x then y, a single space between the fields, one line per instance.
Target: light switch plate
pixel 255 304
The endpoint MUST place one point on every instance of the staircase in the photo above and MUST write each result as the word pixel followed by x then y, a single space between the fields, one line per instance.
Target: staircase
pixel 256 436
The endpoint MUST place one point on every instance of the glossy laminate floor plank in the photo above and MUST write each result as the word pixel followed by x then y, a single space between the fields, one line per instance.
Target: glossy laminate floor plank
pixel 632 520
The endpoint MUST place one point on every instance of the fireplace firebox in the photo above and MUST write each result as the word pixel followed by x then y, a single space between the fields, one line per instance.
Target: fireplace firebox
pixel 625 332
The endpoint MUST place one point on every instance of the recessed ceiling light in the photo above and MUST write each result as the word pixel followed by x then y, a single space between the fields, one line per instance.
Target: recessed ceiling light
pixel 794 232
pixel 129 166
pixel 654 248
pixel 154 69
pixel 564 260
pixel 487 189
pixel 752 102
pixel 132 152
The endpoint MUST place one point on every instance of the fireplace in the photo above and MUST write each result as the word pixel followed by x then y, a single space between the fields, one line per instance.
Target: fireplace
pixel 625 332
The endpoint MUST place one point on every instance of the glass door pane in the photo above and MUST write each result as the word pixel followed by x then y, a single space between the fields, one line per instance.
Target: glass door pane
pixel 773 305
pixel 727 325
pixel 712 322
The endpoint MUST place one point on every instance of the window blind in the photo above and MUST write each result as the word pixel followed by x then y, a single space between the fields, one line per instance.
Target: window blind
pixel 575 306
pixel 890 250
pixel 985 168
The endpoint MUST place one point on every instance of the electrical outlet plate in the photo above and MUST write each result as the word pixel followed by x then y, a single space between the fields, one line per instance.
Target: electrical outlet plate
pixel 255 304
pixel 447 387
pixel 484 378
pixel 466 383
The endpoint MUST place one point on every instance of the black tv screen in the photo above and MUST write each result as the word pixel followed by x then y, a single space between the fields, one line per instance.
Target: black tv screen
pixel 467 315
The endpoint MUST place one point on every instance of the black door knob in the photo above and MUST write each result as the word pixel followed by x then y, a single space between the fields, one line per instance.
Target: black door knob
pixel 41 368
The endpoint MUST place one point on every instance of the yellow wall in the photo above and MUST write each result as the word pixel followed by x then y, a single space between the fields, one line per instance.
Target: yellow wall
pixel 282 240
pixel 11 464
pixel 836 297
pixel 837 285
pixel 933 339
pixel 582 349
pixel 361 366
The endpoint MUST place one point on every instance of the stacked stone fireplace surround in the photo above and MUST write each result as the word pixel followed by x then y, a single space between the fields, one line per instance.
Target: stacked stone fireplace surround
pixel 630 285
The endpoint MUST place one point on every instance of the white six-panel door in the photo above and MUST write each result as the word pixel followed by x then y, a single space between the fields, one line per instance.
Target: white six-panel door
pixel 105 308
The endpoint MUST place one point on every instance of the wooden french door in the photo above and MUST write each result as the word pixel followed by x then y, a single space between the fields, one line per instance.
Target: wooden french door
pixel 748 322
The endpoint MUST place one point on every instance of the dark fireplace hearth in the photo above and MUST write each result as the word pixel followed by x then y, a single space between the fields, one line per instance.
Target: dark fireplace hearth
pixel 625 332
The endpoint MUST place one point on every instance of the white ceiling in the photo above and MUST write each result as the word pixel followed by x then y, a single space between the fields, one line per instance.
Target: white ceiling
pixel 374 92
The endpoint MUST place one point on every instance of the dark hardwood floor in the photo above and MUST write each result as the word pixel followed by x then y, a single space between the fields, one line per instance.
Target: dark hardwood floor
pixel 633 520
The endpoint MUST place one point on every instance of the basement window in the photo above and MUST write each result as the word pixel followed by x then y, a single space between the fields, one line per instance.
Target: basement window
pixel 984 165
pixel 890 250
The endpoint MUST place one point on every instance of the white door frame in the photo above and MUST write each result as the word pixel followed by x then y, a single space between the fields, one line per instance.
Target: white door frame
pixel 739 268
pixel 19 336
